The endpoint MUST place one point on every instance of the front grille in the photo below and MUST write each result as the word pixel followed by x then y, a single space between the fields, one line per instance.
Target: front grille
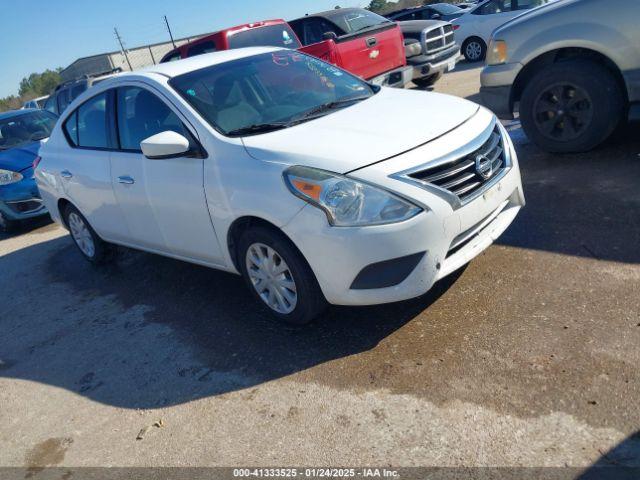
pixel 467 175
pixel 26 206
pixel 438 39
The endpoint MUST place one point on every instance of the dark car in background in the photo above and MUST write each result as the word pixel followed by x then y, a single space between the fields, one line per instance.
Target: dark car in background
pixel 21 134
pixel 435 11
pixel 67 92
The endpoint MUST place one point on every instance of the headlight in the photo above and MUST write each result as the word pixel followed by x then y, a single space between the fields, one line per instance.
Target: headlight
pixel 347 202
pixel 8 177
pixel 497 52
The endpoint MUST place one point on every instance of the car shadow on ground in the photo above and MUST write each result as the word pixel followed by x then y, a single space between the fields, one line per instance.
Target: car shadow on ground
pixel 581 204
pixel 622 462
pixel 112 344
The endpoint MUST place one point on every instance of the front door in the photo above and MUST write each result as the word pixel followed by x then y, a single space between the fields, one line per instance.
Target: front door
pixel 163 201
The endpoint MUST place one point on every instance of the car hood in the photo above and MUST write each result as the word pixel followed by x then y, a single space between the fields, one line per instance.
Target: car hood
pixel 19 158
pixel 389 123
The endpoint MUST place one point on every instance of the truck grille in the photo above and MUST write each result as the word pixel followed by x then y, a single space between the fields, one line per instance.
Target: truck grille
pixel 466 176
pixel 439 39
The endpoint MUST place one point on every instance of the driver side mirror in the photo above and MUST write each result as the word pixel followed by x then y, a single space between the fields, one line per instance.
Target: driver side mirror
pixel 164 145
pixel 329 36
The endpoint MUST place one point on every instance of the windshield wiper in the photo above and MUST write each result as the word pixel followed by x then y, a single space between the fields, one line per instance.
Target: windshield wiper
pixel 325 107
pixel 258 128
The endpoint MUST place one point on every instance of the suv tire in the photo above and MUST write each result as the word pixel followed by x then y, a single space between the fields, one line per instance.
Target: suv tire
pixel 571 106
pixel 279 277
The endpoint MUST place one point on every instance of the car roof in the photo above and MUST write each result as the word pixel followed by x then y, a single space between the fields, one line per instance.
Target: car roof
pixel 179 67
pixel 16 113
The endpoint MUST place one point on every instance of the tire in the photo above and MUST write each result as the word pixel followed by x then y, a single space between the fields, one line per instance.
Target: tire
pixel 474 49
pixel 429 81
pixel 297 298
pixel 571 106
pixel 6 225
pixel 90 245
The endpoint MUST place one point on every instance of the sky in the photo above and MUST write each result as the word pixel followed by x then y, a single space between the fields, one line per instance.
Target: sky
pixel 41 34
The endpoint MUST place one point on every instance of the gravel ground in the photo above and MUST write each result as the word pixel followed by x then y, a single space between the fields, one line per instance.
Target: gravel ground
pixel 527 358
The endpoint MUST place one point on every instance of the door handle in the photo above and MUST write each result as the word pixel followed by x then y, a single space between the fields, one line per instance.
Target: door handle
pixel 66 174
pixel 126 180
pixel 372 42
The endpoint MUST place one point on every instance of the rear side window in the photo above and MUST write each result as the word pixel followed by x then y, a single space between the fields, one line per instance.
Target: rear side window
pixel 63 99
pixel 171 57
pixel 312 30
pixel 50 104
pixel 201 48
pixel 92 123
pixel 270 36
pixel 141 114
pixel 71 129
pixel 76 90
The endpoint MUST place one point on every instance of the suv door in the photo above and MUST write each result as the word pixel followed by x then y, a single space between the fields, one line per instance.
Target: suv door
pixel 163 201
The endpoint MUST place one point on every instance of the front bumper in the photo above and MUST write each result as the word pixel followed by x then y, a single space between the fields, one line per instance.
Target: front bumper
pixel 398 78
pixel 425 65
pixel 21 200
pixel 441 239
pixel 497 88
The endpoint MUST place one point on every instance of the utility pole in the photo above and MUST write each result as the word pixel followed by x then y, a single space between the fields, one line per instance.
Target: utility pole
pixel 169 30
pixel 122 48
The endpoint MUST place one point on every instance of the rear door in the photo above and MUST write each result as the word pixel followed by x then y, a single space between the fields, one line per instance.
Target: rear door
pixel 163 201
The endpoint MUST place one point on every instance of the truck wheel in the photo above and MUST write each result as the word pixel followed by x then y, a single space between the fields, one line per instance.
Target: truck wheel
pixel 474 49
pixel 92 247
pixel 428 81
pixel 571 106
pixel 279 277
pixel 6 225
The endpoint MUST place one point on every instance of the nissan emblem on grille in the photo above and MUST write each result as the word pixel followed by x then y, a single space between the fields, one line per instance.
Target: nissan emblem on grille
pixel 484 166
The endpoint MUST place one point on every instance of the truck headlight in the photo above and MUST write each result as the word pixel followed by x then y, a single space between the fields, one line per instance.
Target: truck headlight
pixel 348 202
pixel 497 52
pixel 7 177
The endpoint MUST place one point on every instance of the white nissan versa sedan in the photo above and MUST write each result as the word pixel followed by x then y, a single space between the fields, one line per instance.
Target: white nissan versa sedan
pixel 312 184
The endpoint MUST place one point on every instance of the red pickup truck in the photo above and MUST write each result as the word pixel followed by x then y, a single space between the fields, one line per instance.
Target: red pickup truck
pixel 355 39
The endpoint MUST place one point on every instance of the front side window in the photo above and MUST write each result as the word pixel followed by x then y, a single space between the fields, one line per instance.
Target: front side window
pixel 63 99
pixel 269 91
pixel 313 30
pixel 171 57
pixel 26 128
pixel 50 104
pixel 270 36
pixel 91 121
pixel 201 48
pixel 141 114
pixel 527 4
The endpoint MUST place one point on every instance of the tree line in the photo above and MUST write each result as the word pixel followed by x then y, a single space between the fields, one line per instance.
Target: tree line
pixel 33 86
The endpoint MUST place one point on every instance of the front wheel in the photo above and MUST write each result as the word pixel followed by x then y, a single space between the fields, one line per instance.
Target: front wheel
pixel 6 225
pixel 474 49
pixel 571 106
pixel 279 277
pixel 92 247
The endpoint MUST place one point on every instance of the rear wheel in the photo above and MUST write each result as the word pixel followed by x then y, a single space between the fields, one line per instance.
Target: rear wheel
pixel 571 106
pixel 92 247
pixel 279 277
pixel 474 49
pixel 429 81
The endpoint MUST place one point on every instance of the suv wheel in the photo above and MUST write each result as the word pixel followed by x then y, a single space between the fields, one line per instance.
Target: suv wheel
pixel 92 247
pixel 571 106
pixel 279 277
pixel 474 49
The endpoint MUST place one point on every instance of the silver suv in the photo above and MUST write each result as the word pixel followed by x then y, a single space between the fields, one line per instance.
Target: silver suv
pixel 571 69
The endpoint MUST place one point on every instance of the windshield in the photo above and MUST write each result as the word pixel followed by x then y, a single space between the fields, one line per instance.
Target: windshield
pixel 269 91
pixel 352 21
pixel 24 129
pixel 445 9
pixel 270 36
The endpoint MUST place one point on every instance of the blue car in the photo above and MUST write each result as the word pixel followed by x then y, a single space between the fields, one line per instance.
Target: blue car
pixel 21 134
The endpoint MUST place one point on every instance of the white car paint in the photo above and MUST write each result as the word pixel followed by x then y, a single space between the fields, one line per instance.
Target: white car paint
pixel 184 207
pixel 475 24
